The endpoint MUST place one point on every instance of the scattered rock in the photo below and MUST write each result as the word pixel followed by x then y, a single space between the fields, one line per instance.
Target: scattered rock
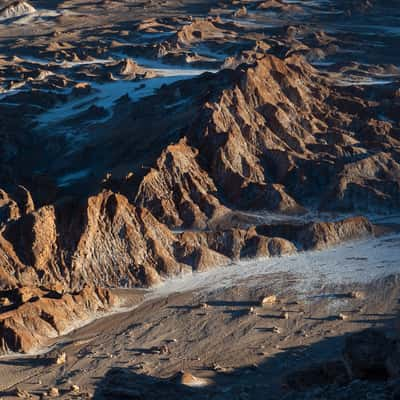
pixel 54 392
pixel 75 389
pixel 344 317
pixel 164 350
pixel 357 295
pixel 284 315
pixel 187 379
pixel 5 302
pixel 61 359
pixel 271 299
pixel 218 368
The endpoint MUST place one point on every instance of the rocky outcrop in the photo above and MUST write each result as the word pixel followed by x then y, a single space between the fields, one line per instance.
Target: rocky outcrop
pixel 35 315
pixel 16 9
pixel 129 69
pixel 235 244
pixel 318 235
pixel 263 142
pixel 178 191
pixel 269 136
pixel 280 6
pixel 104 241
pixel 14 205
pixel 109 242
pixel 249 122
pixel 199 30
pixel 241 147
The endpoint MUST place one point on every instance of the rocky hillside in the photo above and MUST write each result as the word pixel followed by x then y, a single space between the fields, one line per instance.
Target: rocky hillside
pixel 275 135
pixel 172 166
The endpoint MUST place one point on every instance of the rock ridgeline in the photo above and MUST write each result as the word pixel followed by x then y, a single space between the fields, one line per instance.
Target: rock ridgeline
pixel 30 315
pixel 274 136
pixel 111 243
pixel 277 137
pixel 51 254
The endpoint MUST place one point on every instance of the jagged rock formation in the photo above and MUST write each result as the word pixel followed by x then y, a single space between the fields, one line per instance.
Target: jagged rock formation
pixel 270 140
pixel 16 9
pixel 33 315
pixel 15 205
pixel 318 235
pixel 243 128
pixel 129 69
pixel 260 117
pixel 104 241
pixel 275 135
pixel 267 132
pixel 179 191
pixel 109 242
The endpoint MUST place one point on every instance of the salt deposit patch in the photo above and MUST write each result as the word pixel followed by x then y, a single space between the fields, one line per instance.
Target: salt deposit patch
pixel 312 270
pixel 105 94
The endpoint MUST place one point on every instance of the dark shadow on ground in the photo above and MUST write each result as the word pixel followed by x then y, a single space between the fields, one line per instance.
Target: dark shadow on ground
pixel 266 380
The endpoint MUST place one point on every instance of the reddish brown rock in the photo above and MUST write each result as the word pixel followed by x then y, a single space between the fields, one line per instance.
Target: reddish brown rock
pixel 179 192
pixel 318 235
pixel 34 321
pixel 13 205
pixel 107 237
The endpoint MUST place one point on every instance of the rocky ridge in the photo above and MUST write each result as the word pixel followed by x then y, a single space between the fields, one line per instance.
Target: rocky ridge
pixel 269 132
pixel 30 316
pixel 16 9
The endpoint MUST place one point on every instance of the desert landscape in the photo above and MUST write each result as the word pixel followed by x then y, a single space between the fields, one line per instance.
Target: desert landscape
pixel 200 199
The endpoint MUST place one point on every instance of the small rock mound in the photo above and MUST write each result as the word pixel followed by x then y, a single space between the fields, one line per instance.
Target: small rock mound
pixel 187 379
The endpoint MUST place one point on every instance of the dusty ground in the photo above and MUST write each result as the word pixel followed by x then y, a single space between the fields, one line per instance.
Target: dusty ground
pixel 242 351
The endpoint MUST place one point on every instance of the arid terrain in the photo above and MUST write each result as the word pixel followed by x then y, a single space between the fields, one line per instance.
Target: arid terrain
pixel 200 199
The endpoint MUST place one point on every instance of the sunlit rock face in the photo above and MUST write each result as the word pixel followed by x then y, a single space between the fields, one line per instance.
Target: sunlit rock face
pixel 16 9
pixel 140 142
